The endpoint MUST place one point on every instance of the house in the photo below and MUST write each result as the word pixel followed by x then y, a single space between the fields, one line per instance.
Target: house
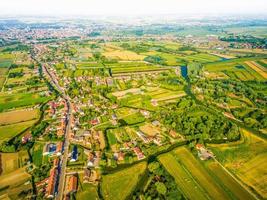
pixel 203 153
pixel 173 134
pixel 138 153
pixel 94 122
pixel 72 184
pixel 59 148
pixel 26 138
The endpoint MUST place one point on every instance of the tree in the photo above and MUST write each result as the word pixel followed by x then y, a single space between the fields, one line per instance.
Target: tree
pixel 161 188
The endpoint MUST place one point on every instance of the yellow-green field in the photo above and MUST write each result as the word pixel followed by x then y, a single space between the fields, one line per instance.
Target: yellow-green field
pixel 17 116
pixel 190 188
pixel 13 161
pixel 14 183
pixel 247 160
pixel 9 131
pixel 119 185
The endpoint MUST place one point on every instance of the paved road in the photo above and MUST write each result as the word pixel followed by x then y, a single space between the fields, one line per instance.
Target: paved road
pixel 64 158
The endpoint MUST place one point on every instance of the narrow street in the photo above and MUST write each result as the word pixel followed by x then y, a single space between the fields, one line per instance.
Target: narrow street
pixel 65 151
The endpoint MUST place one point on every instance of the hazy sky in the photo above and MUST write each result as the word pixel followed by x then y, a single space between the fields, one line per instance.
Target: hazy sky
pixel 133 7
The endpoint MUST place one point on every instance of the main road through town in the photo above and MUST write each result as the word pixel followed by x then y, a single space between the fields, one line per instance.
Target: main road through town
pixel 63 160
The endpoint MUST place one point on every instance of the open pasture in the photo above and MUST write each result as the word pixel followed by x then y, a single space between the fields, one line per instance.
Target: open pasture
pixel 119 185
pixel 17 116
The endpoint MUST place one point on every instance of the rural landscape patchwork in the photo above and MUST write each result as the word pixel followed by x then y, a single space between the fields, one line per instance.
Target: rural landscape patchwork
pixel 133 109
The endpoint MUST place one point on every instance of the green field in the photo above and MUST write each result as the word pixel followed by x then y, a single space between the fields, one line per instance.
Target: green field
pixel 185 181
pixel 37 154
pixel 235 69
pixel 119 185
pixel 87 192
pixel 246 160
pixel 9 131
pixel 14 100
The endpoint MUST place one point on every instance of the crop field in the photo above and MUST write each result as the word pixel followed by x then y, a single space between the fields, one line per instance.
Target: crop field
pixel 87 192
pixel 5 59
pixel 185 181
pixel 119 185
pixel 123 111
pixel 37 154
pixel 200 174
pixel 258 68
pixel 9 131
pixel 3 73
pixel 232 185
pixel 17 116
pixel 236 69
pixel 246 160
pixel 115 52
pixel 15 100
pixel 202 180
pixel 202 58
pixel 13 161
pixel 14 183
pixel 139 69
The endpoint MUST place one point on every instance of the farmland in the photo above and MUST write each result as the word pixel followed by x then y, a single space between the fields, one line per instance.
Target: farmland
pixel 10 131
pixel 17 116
pixel 122 182
pixel 209 179
pixel 245 160
pixel 126 108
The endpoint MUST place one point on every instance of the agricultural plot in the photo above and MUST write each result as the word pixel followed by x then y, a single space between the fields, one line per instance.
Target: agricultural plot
pixel 247 160
pixel 13 161
pixel 202 58
pixel 17 116
pixel 37 154
pixel 15 100
pixel 119 185
pixel 190 188
pixel 114 52
pixel 202 180
pixel 258 68
pixel 200 174
pixel 14 183
pixel 9 131
pixel 87 192
pixel 146 96
pixel 6 59
pixel 3 73
pixel 235 69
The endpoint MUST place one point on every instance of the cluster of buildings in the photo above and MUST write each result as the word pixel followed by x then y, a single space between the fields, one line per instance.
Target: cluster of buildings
pixel 51 182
